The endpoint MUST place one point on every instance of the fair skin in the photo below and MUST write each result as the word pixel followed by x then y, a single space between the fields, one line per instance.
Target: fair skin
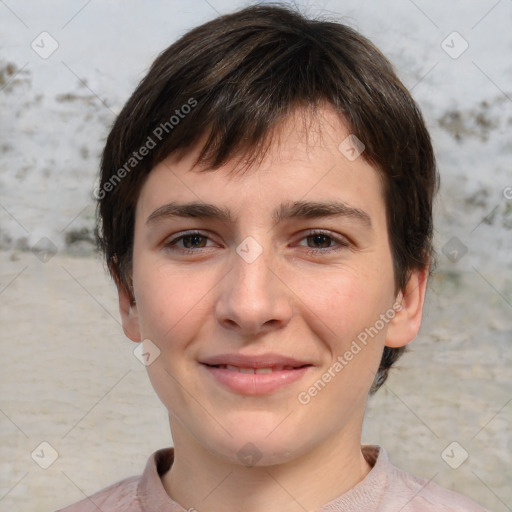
pixel 210 300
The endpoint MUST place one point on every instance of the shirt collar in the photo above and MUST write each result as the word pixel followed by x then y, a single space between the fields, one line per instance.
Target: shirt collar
pixel 366 495
pixel 150 491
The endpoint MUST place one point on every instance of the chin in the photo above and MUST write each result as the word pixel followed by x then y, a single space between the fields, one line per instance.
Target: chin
pixel 256 444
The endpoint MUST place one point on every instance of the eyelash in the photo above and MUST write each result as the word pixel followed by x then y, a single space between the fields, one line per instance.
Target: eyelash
pixel 342 243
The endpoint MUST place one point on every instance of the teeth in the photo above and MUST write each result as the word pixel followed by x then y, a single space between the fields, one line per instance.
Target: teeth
pixel 253 370
pixel 263 370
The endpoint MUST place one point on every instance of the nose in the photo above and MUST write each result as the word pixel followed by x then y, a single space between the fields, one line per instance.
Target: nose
pixel 253 298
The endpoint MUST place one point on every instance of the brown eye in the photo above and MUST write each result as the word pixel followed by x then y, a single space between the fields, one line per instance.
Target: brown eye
pixel 321 242
pixel 190 242
pixel 193 241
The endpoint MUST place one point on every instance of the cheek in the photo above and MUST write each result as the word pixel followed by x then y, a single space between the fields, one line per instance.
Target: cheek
pixel 341 311
pixel 164 298
pixel 174 303
pixel 344 301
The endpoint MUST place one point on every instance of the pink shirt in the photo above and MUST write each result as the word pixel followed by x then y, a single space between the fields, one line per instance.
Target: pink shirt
pixel 385 489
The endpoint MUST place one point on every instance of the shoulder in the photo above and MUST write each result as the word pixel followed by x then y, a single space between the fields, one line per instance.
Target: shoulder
pixel 416 494
pixel 119 496
pixel 129 494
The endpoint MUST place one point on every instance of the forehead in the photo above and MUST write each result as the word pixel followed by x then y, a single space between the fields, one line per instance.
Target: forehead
pixel 307 160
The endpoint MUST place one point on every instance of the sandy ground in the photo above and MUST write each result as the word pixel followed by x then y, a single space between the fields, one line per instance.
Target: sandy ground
pixel 70 379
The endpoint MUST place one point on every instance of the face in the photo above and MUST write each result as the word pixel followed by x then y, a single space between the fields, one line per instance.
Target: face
pixel 259 315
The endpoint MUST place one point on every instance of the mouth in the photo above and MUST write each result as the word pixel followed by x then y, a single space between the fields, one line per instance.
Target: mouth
pixel 254 375
pixel 270 369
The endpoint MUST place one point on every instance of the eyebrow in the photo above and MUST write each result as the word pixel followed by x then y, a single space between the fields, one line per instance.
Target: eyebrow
pixel 286 211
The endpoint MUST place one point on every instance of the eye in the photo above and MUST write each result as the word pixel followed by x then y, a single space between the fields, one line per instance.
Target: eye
pixel 194 241
pixel 191 240
pixel 324 240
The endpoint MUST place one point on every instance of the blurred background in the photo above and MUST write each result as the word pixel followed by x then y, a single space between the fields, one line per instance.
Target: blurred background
pixel 77 411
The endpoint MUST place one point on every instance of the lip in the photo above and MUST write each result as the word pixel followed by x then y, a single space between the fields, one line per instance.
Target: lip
pixel 255 383
pixel 267 360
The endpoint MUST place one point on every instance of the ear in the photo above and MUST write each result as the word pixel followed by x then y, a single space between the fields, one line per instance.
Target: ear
pixel 406 323
pixel 129 313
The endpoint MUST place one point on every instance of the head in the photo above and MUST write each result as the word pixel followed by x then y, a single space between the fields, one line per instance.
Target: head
pixel 247 111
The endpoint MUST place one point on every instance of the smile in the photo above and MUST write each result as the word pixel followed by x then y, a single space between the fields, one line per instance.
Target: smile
pixel 232 368
pixel 254 381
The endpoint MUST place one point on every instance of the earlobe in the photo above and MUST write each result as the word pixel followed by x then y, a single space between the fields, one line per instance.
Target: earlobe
pixel 406 323
pixel 129 314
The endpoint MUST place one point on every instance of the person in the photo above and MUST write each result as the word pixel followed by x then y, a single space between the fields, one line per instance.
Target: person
pixel 265 209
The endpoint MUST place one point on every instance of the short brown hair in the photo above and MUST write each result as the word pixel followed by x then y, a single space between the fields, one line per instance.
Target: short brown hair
pixel 240 74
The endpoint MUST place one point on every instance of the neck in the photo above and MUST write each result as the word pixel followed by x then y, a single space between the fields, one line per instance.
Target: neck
pixel 198 480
